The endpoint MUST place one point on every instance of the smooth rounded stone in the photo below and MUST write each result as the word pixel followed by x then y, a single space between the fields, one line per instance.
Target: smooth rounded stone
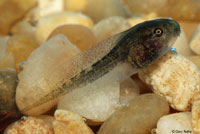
pixel 29 125
pixel 195 41
pixel 177 9
pixel 182 45
pixel 195 115
pixel 110 26
pixel 128 91
pixel 21 46
pixel 33 16
pixel 144 6
pixel 47 118
pixel 86 100
pixel 178 123
pixel 43 72
pixel 48 23
pixel 67 122
pixel 8 85
pixel 141 18
pixel 47 7
pixel 189 27
pixel 24 27
pixel 135 20
pixel 79 35
pixel 195 60
pixel 75 5
pixel 174 77
pixel 11 11
pixel 6 58
pixel 94 8
pixel 138 117
pixel 95 101
pixel 187 10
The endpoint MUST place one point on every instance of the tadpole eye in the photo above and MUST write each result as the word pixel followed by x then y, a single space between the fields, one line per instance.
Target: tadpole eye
pixel 158 32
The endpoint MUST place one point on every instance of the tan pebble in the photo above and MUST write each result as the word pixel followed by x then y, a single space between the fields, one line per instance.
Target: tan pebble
pixel 64 115
pixel 70 123
pixel 25 27
pixel 189 27
pixel 195 60
pixel 110 26
pixel 174 77
pixel 135 20
pixel 196 116
pixel 75 5
pixel 150 16
pixel 47 118
pixel 33 16
pixel 181 10
pixel 29 125
pixel 195 41
pixel 48 23
pixel 98 9
pixel 178 10
pixel 138 117
pixel 79 35
pixel 6 58
pixel 182 45
pixel 47 7
pixel 11 11
pixel 21 46
pixel 144 6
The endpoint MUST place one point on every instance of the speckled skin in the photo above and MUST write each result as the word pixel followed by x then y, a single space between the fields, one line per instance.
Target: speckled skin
pixel 140 46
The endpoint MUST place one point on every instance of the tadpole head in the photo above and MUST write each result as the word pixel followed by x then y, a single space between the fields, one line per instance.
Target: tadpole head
pixel 151 40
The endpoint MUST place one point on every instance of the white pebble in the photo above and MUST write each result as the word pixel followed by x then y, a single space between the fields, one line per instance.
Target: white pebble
pixel 110 26
pixel 178 123
pixel 43 72
pixel 174 77
pixel 128 90
pixel 95 101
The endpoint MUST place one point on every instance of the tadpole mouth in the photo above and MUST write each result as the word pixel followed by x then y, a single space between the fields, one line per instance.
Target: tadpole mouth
pixel 176 28
pixel 174 31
